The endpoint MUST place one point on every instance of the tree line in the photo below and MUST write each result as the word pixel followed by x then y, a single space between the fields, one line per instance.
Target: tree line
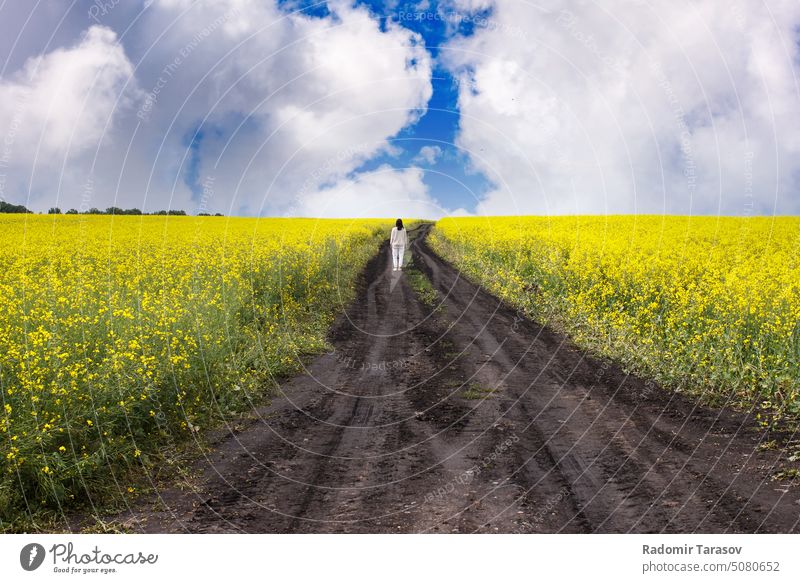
pixel 112 210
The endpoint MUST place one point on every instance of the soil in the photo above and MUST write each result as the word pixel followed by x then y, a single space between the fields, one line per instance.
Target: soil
pixel 466 417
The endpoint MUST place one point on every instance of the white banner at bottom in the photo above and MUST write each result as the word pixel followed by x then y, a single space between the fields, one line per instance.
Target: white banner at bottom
pixel 389 558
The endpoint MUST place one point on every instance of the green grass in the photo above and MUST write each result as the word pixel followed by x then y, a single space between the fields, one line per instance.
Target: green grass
pixel 422 286
pixel 146 339
pixel 476 391
pixel 787 474
pixel 706 306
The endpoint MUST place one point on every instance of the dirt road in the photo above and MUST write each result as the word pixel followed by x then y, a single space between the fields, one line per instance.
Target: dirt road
pixel 470 419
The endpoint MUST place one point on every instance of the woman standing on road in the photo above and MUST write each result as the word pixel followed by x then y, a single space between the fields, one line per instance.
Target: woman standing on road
pixel 398 242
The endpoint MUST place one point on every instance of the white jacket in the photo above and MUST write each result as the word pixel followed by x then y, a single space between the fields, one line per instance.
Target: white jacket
pixel 399 238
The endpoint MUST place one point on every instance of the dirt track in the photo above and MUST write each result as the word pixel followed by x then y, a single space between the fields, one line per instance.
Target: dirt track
pixel 379 436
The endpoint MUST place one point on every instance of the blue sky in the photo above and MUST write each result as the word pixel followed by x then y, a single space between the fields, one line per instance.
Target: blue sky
pixel 451 177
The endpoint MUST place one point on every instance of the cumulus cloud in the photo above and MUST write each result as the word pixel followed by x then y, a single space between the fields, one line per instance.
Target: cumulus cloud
pixel 471 6
pixel 565 106
pixel 576 107
pixel 428 154
pixel 63 103
pixel 284 104
pixel 266 105
pixel 385 192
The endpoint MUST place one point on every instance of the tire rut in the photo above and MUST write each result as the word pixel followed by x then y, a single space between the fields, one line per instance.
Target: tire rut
pixel 469 418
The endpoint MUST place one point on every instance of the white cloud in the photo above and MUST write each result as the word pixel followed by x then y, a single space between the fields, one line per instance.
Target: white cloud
pixel 315 97
pixel 566 106
pixel 428 154
pixel 281 105
pixel 62 103
pixel 471 5
pixel 574 107
pixel 384 192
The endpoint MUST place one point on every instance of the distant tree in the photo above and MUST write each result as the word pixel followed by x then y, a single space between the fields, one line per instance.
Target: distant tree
pixel 218 215
pixel 114 210
pixel 203 215
pixel 54 211
pixel 133 212
pixel 177 213
pixel 160 213
pixel 71 212
pixel 94 211
pixel 12 208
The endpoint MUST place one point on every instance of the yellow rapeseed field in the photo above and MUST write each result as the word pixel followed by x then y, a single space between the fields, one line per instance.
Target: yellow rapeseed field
pixel 706 305
pixel 121 334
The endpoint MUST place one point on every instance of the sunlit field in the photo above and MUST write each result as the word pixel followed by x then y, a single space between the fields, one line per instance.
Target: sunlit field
pixel 707 305
pixel 119 335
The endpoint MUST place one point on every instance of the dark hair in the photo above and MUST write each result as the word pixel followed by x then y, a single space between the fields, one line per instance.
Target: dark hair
pixel 399 224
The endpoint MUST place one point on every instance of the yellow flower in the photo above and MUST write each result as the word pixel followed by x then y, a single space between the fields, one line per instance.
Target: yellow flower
pixel 99 314
pixel 691 301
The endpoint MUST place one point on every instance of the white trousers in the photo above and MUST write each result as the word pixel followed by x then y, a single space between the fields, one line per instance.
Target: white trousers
pixel 397 255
